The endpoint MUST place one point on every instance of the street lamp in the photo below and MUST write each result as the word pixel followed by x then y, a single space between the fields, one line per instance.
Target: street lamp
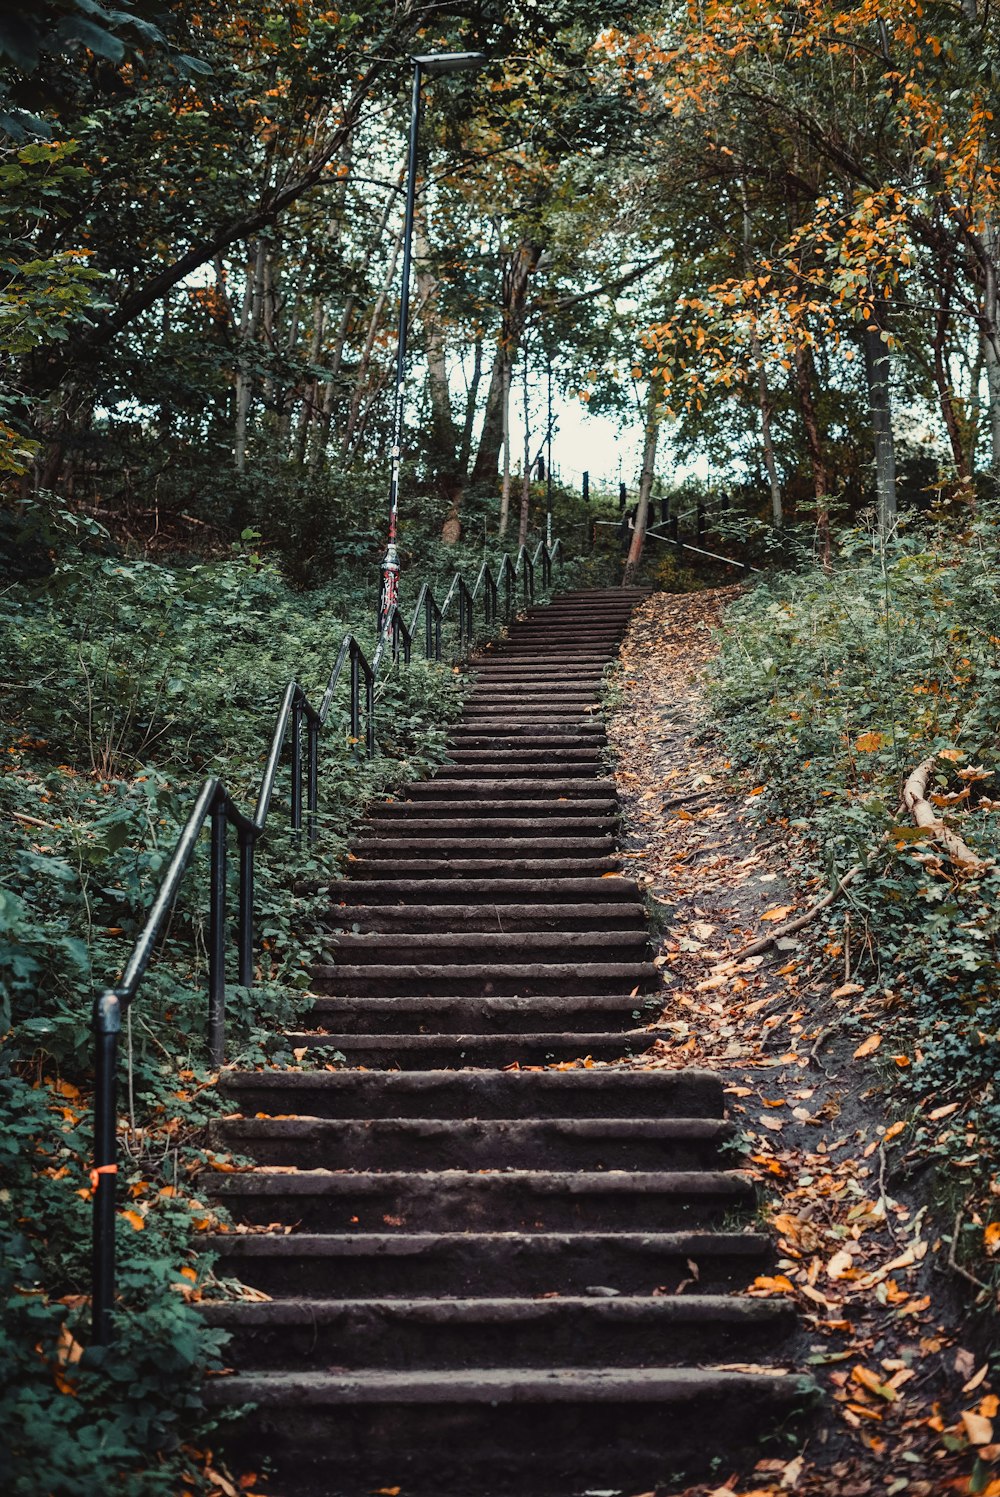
pixel 431 65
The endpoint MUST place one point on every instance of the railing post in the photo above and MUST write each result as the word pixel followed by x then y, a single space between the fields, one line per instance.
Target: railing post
pixel 701 523
pixel 664 509
pixel 217 934
pixel 247 851
pixel 370 713
pixel 437 632
pixel 297 765
pixel 586 488
pixel 312 775
pixel 622 497
pixel 675 526
pixel 107 1025
pixel 508 580
pixel 355 693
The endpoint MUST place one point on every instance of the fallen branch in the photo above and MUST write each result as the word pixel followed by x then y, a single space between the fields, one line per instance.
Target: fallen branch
pixel 916 802
pixel 791 926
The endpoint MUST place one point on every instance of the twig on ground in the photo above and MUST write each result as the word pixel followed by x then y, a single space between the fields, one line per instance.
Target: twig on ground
pixel 791 926
pixel 963 1273
pixel 687 800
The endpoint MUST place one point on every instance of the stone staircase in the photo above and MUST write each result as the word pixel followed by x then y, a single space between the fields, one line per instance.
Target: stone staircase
pixel 475 1272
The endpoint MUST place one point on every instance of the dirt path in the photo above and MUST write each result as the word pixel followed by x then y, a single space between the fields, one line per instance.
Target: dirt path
pixel 907 1402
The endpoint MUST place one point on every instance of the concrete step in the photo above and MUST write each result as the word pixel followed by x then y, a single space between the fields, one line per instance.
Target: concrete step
pixel 524 1431
pixel 570 1331
pixel 501 868
pixel 527 792
pixel 614 1092
pixel 468 947
pixel 607 890
pixel 478 1143
pixel 401 849
pixel 432 1051
pixel 454 918
pixel 462 1201
pixel 552 1013
pixel 488 1263
pixel 488 978
pixel 554 820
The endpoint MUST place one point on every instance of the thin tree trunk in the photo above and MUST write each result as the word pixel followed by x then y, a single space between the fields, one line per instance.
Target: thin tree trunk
pixel 877 367
pixel 763 392
pixel 471 401
pixel 322 440
pixel 814 446
pixel 310 395
pixel 517 272
pixel 366 354
pixel 645 481
pixel 522 529
pixel 505 490
pixel 249 329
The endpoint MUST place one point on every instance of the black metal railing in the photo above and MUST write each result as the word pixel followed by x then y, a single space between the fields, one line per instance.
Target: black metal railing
pixel 216 806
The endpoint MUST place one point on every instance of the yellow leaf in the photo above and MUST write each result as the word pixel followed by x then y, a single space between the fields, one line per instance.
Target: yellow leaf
pixel 778 912
pixel 846 989
pixel 978 1428
pixel 954 755
pixel 135 1219
pixel 868 1046
pixel 840 1265
pixel 991 1238
pixel 873 1383
pixel 943 1112
pixel 869 743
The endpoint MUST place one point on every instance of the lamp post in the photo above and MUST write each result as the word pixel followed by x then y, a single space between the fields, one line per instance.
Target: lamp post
pixel 431 65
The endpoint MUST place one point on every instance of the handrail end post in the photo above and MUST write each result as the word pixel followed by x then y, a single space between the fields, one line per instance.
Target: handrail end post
pixel 107 1023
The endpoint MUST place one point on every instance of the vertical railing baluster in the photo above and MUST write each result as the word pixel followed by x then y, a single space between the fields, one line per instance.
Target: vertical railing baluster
pixel 247 860
pixel 217 933
pixel 312 775
pixel 355 691
pixel 370 712
pixel 297 766
pixel 103 1178
pixel 437 632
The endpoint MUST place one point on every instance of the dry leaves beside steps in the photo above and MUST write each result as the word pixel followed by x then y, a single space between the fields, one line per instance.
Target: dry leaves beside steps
pixel 908 1409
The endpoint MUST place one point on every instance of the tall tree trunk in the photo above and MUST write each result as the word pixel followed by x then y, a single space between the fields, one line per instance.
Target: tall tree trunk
pixel 522 529
pixel 763 393
pixel 877 368
pixel 471 401
pixel 991 354
pixel 322 439
pixel 310 395
pixel 802 363
pixel 249 329
pixel 364 362
pixel 505 490
pixel 645 481
pixel 946 395
pixel 516 273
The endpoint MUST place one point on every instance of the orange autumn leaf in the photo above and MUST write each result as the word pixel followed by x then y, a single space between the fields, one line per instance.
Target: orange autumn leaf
pixel 868 1046
pixel 778 912
pixel 135 1219
pixel 869 743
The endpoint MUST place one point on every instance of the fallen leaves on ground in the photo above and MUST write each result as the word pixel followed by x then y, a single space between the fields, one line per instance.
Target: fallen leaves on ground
pixel 857 1246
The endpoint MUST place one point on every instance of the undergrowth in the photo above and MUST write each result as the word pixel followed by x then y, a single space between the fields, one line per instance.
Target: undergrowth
pixel 830 688
pixel 123 683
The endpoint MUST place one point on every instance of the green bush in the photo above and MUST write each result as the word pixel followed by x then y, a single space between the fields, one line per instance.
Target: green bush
pixel 830 689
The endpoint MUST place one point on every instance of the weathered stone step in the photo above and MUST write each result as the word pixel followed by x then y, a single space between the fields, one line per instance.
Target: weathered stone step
pixel 615 1092
pixel 435 1050
pixel 477 1143
pixel 471 946
pixel 533 792
pixel 488 1263
pixel 548 770
pixel 554 820
pixel 608 889
pixel 488 978
pixel 529 1432
pixel 572 1331
pixel 448 1015
pixel 484 917
pixel 402 849
pixel 460 1201
pixel 513 867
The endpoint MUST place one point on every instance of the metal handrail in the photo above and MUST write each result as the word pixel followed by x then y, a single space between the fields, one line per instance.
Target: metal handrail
pixel 215 804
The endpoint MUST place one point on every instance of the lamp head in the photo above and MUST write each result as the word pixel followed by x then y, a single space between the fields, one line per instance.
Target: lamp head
pixel 434 63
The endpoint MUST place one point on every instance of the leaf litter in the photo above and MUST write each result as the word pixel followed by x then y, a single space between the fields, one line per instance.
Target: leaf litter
pixel 907 1408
